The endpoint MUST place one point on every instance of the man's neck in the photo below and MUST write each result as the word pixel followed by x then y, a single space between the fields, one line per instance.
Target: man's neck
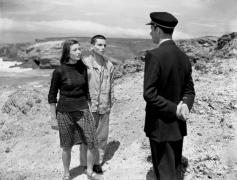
pixel 99 58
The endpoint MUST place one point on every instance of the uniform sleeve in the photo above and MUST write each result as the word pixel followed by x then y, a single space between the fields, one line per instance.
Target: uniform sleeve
pixel 151 82
pixel 54 86
pixel 189 92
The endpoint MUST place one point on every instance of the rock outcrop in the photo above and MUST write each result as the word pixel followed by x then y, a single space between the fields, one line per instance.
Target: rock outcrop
pixel 43 54
pixel 46 53
pixel 227 46
pixel 199 49
pixel 23 101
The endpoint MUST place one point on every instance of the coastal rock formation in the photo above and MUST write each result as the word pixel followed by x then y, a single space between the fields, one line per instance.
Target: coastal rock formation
pixel 43 54
pixel 23 101
pixel 127 55
pixel 227 46
pixel 199 49
pixel 46 53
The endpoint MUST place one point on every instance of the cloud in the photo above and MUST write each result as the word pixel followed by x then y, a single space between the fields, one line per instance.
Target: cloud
pixel 205 25
pixel 81 28
pixel 118 18
pixel 232 27
pixel 95 13
pixel 181 35
pixel 77 28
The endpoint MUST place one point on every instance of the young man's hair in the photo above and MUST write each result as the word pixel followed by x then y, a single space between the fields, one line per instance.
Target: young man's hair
pixel 94 38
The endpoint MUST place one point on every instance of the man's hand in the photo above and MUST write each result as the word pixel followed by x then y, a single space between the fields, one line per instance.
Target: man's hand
pixel 54 123
pixel 182 111
pixel 178 111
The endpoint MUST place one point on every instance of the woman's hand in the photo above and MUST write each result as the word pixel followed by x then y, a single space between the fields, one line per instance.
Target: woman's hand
pixel 54 123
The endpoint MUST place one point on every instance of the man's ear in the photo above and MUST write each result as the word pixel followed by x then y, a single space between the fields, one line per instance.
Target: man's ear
pixel 157 30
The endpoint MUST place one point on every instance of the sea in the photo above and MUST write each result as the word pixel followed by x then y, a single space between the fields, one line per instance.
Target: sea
pixel 16 75
pixel 6 67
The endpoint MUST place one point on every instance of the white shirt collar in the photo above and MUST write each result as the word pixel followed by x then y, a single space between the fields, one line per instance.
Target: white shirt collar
pixel 163 40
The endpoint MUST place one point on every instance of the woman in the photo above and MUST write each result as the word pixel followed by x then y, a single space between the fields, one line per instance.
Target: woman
pixel 71 115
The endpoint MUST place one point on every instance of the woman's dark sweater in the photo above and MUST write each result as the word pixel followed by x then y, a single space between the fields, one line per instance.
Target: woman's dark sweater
pixel 71 81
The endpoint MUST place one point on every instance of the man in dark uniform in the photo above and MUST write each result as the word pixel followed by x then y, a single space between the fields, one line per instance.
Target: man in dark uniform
pixel 169 94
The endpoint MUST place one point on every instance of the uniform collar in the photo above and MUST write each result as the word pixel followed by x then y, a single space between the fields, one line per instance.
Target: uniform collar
pixel 163 40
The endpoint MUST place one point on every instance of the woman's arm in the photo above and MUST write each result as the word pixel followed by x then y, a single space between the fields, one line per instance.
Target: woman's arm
pixel 52 97
pixel 53 122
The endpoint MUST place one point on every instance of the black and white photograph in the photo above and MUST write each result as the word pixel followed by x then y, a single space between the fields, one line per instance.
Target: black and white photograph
pixel 118 90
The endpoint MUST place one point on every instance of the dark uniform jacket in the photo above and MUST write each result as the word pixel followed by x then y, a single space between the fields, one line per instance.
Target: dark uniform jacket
pixel 167 81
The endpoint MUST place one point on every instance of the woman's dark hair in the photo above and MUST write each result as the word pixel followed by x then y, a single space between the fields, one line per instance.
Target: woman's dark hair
pixel 93 39
pixel 66 50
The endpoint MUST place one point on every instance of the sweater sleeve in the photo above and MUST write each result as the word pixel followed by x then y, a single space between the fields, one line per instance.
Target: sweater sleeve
pixel 54 86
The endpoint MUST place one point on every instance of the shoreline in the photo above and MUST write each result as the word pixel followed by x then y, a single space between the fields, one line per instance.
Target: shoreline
pixel 6 67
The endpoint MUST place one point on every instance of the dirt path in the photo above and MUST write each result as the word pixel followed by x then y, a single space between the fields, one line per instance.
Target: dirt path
pixel 231 153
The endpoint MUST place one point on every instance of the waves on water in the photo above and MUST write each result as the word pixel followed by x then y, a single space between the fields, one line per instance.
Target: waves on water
pixel 5 66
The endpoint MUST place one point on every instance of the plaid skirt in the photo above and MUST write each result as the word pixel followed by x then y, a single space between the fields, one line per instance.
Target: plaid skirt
pixel 76 128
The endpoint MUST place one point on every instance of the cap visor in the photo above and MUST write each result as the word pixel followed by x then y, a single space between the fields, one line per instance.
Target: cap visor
pixel 150 23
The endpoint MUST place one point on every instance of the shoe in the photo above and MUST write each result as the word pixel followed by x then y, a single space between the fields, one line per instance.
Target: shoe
pixel 67 177
pixel 98 169
pixel 93 176
pixel 84 168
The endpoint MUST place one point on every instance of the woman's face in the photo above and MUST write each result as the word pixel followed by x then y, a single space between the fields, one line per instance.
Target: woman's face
pixel 75 52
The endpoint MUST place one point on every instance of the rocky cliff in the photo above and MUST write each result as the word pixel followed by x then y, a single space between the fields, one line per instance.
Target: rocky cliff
pixel 46 53
pixel 227 46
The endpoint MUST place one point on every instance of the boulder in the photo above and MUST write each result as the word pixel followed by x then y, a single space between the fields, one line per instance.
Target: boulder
pixel 24 101
pixel 44 54
pixel 199 49
pixel 227 46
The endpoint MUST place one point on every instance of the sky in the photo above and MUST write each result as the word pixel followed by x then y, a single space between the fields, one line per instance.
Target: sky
pixel 26 20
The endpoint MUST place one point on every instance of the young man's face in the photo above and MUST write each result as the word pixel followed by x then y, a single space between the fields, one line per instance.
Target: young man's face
pixel 155 34
pixel 99 46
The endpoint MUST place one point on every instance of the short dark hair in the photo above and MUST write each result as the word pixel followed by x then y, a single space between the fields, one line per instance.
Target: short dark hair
pixel 165 30
pixel 94 38
pixel 66 50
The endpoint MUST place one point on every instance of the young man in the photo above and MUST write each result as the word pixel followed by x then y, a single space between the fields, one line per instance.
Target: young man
pixel 101 82
pixel 169 94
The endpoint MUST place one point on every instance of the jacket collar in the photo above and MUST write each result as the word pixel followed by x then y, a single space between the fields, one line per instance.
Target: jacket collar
pixel 162 41
pixel 96 65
